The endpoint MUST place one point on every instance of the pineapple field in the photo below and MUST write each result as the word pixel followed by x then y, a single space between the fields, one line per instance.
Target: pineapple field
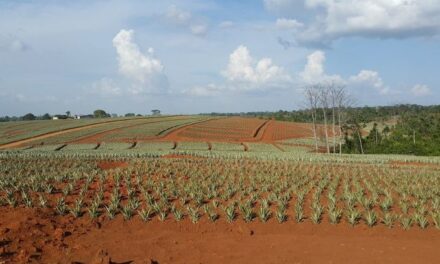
pixel 111 192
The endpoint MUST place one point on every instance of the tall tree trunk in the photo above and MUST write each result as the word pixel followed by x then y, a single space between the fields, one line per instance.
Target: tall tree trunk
pixel 376 135
pixel 340 130
pixel 360 140
pixel 334 128
pixel 314 129
pixel 326 129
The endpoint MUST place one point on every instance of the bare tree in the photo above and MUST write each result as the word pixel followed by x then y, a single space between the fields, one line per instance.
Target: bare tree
pixel 328 97
pixel 324 103
pixel 313 103
pixel 341 102
pixel 335 92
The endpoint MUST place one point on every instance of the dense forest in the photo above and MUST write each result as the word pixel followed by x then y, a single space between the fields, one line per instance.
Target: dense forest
pixel 414 134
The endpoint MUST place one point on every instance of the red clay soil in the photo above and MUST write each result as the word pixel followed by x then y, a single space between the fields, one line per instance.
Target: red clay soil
pixel 232 129
pixel 112 165
pixel 245 130
pixel 36 236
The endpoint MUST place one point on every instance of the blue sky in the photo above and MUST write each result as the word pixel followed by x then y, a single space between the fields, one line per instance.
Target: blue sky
pixel 206 55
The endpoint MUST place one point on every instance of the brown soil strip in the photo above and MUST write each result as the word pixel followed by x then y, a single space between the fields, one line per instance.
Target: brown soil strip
pixel 56 133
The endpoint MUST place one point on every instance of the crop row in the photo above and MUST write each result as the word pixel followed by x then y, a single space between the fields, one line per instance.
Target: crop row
pixel 224 190
pixel 231 128
pixel 104 128
pixel 14 131
pixel 148 130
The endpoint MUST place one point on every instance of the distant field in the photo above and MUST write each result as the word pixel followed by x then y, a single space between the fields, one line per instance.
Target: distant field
pixel 13 131
pixel 54 132
pixel 225 129
pixel 182 132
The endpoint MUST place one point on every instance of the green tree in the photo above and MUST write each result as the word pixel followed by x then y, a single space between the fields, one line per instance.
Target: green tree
pixel 46 116
pixel 29 116
pixel 99 113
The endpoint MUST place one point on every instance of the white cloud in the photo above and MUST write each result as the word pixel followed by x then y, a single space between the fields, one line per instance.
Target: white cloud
pixel 185 19
pixel 243 68
pixel 372 79
pixel 288 24
pixel 143 69
pixel 106 87
pixel 245 74
pixel 368 18
pixel 420 90
pixel 314 71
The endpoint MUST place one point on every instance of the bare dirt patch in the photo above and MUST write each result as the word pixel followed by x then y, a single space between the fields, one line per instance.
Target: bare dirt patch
pixel 112 165
pixel 34 236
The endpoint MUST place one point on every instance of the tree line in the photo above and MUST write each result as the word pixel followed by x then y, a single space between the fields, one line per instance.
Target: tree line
pixel 99 113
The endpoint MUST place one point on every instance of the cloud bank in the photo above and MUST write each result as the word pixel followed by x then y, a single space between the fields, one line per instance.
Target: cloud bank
pixel 334 19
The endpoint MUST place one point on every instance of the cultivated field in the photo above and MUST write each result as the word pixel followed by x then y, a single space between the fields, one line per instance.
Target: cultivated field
pixel 193 189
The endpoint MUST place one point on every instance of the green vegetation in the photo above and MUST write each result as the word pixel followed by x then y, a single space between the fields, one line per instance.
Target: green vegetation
pixel 13 131
pixel 344 191
pixel 413 134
